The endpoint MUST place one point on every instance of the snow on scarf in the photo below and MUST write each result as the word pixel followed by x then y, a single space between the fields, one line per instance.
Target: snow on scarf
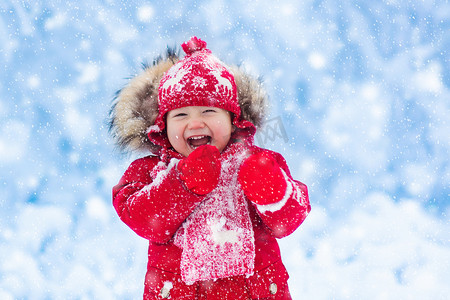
pixel 217 238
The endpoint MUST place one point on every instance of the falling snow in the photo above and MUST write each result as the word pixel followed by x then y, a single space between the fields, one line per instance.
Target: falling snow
pixel 361 90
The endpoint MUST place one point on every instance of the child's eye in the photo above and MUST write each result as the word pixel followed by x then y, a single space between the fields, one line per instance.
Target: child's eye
pixel 179 115
pixel 209 110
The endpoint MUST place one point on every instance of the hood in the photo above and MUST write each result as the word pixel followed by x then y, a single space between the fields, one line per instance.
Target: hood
pixel 135 106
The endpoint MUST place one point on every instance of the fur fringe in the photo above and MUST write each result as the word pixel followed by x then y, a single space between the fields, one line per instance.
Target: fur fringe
pixel 135 107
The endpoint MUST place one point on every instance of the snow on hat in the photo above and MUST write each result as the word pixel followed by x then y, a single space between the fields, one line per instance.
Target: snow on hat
pixel 199 79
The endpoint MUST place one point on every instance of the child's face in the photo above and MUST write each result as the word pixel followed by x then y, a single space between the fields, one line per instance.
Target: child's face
pixel 193 126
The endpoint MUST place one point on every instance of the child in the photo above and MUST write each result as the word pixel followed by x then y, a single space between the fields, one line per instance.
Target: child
pixel 210 202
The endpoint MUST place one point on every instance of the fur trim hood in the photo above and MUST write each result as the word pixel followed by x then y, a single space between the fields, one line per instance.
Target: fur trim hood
pixel 135 107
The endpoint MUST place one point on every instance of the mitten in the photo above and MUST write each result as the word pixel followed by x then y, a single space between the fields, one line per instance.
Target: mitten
pixel 200 171
pixel 261 179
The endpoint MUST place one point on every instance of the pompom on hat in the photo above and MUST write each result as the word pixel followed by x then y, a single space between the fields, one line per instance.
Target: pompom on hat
pixel 199 79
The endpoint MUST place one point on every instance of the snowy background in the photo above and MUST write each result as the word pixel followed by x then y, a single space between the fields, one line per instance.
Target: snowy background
pixel 361 89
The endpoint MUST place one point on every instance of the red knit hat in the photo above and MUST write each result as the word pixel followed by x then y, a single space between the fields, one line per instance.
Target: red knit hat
pixel 199 79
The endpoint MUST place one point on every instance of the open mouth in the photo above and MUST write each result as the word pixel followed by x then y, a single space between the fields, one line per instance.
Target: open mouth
pixel 197 141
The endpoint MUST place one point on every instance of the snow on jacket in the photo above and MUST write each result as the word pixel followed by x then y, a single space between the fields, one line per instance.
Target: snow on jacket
pixel 152 200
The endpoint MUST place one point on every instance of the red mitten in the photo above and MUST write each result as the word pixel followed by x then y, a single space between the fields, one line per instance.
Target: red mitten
pixel 200 171
pixel 262 180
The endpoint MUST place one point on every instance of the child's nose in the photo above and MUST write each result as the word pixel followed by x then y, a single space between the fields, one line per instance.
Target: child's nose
pixel 196 123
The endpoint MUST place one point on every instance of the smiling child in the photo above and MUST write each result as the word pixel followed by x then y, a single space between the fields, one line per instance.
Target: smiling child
pixel 210 202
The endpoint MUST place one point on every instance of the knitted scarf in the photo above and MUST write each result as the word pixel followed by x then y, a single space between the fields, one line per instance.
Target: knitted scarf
pixel 217 238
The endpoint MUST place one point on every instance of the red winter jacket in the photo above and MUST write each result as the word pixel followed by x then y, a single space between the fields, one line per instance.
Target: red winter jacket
pixel 156 211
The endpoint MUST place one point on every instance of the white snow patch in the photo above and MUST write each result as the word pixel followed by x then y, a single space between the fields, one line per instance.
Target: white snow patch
pixel 429 79
pixel 36 224
pixel 110 174
pixel 220 235
pixel 317 60
pixel 418 178
pixel 145 13
pixel 119 30
pixel 14 137
pixel 354 128
pixel 389 247
pixel 68 95
pixel 34 81
pixel 85 45
pixel 96 209
pixel 89 72
pixel 168 285
pixel 307 169
pixel 79 125
pixel 55 22
pixel 114 56
pixel 287 9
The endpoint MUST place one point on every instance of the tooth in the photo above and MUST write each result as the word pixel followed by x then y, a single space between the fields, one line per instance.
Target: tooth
pixel 197 137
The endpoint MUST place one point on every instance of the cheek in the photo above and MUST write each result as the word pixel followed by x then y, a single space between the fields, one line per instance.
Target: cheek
pixel 173 133
pixel 225 129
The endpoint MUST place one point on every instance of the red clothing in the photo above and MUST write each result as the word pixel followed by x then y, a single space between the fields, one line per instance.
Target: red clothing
pixel 155 205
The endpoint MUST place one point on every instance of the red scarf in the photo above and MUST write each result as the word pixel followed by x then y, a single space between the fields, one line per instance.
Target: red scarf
pixel 217 238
